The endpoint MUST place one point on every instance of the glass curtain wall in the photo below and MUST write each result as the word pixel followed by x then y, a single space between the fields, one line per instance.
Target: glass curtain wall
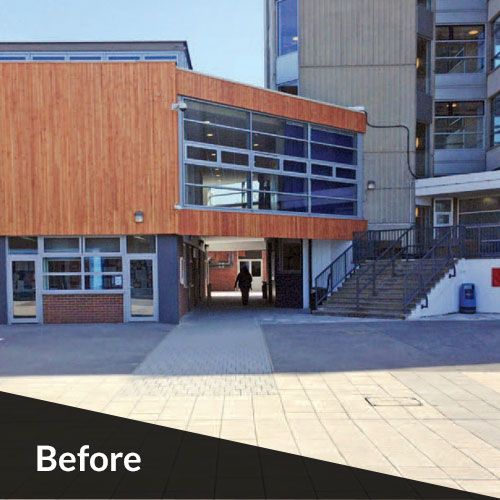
pixel 235 159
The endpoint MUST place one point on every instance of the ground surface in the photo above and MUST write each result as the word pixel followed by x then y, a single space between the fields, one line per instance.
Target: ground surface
pixel 288 381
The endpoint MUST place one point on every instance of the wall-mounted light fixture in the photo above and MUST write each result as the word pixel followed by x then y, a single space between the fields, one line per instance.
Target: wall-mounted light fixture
pixel 139 216
pixel 371 185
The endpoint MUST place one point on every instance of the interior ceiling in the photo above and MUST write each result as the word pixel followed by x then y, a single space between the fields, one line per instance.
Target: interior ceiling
pixel 230 244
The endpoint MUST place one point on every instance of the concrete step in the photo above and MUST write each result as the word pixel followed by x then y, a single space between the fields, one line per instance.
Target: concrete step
pixel 360 314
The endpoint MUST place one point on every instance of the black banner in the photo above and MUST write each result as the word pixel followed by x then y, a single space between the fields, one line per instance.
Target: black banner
pixel 158 462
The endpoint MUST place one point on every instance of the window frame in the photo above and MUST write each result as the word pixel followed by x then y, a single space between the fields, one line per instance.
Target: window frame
pixel 40 256
pixel 451 212
pixel 480 58
pixel 251 153
pixel 278 46
pixel 480 118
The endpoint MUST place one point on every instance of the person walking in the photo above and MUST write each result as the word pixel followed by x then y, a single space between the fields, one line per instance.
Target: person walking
pixel 244 283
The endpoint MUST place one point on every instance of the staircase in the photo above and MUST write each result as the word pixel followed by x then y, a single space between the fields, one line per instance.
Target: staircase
pixel 390 290
pixel 386 274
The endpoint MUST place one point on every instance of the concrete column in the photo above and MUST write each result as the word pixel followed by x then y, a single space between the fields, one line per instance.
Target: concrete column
pixel 168 279
pixel 3 281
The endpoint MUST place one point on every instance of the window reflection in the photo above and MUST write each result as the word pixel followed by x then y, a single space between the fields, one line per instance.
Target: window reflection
pixel 287 21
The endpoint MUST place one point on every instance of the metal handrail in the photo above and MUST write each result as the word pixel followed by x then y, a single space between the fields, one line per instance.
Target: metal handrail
pixel 381 257
pixel 438 265
pixel 335 273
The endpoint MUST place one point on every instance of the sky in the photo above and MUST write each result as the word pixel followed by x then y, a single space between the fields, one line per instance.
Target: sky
pixel 225 37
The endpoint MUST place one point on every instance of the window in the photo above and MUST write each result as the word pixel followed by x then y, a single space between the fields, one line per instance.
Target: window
pixel 459 125
pixel 55 245
pixel 102 245
pixel 475 211
pixel 291 256
pixel 421 147
pixel 23 245
pixel 496 42
pixel 495 117
pixel 62 273
pixel 287 24
pixel 460 49
pixel 242 160
pixel 423 59
pixel 141 244
pixel 79 264
pixel 289 87
pixel 443 212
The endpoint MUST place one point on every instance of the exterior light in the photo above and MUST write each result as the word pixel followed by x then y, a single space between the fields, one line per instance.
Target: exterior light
pixel 417 142
pixel 139 216
pixel 419 62
pixel 454 105
pixel 210 134
pixel 474 32
pixel 371 185
pixel 256 145
pixel 417 212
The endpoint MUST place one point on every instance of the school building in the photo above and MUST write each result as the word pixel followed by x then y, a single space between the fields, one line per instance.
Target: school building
pixel 125 177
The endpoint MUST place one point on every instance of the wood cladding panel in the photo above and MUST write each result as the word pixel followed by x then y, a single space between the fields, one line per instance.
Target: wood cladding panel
pixel 85 145
pixel 276 103
pixel 215 223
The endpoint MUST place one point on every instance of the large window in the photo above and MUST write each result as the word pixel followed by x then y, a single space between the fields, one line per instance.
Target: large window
pixel 423 59
pixel 495 121
pixel 92 264
pixel 460 49
pixel 496 42
pixel 459 125
pixel 275 164
pixel 287 26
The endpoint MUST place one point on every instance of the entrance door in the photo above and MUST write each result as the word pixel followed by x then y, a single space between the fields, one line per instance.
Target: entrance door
pixel 255 268
pixel 24 299
pixel 141 295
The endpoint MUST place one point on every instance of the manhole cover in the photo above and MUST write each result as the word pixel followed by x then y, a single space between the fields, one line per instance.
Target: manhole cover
pixel 394 401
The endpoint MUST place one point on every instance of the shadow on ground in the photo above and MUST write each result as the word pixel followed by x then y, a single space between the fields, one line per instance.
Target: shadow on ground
pixel 384 345
pixel 76 349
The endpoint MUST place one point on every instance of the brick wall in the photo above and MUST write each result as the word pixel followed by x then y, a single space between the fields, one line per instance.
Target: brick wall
pixel 79 308
pixel 222 278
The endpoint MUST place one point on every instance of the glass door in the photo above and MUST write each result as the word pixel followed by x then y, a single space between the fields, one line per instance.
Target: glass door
pixel 24 300
pixel 141 297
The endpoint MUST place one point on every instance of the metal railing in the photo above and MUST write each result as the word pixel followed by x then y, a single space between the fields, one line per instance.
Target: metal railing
pixel 448 246
pixel 333 276
pixel 384 260
pixel 482 240
pixel 432 248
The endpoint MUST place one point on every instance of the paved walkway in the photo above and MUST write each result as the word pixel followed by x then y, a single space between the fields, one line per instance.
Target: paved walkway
pixel 215 374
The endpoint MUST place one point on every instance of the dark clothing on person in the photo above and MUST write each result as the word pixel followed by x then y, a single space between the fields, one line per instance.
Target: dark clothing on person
pixel 244 283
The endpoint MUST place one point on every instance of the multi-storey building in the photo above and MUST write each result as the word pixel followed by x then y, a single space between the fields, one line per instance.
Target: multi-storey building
pixel 430 65
pixel 463 187
pixel 374 54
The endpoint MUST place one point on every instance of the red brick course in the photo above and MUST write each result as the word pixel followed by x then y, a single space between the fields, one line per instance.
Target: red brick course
pixel 83 308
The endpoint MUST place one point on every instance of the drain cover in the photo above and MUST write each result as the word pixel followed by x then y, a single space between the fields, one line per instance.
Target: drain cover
pixel 394 401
